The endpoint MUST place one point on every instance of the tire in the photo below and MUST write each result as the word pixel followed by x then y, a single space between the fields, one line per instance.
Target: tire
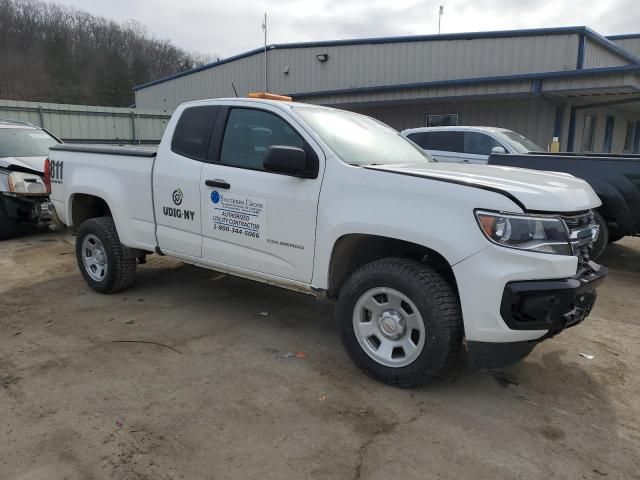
pixel 98 244
pixel 601 243
pixel 8 225
pixel 614 237
pixel 414 285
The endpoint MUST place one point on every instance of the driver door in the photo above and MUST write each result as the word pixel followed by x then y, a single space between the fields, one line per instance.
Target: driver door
pixel 252 219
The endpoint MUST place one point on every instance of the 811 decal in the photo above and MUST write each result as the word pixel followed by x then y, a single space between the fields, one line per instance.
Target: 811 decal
pixel 57 171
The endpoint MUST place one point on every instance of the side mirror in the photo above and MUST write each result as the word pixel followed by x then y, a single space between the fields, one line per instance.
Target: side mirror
pixel 498 150
pixel 288 160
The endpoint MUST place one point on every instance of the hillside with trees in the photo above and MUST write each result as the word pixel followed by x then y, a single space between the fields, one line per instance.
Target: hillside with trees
pixel 52 53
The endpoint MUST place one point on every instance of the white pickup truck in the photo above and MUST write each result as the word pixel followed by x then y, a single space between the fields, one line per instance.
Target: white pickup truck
pixel 417 254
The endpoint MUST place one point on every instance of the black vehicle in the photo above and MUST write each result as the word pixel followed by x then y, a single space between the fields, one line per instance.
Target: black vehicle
pixel 615 178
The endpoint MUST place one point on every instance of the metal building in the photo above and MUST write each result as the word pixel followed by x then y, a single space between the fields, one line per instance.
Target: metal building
pixel 568 82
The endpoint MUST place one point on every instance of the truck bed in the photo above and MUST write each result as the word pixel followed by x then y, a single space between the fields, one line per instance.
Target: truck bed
pixel 131 151
pixel 119 175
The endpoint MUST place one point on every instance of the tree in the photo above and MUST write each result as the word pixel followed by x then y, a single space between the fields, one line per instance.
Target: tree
pixel 52 53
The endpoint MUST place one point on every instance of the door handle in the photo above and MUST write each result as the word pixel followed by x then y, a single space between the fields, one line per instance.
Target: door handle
pixel 218 183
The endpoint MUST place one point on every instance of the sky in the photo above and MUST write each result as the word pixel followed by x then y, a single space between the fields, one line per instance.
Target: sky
pixel 217 28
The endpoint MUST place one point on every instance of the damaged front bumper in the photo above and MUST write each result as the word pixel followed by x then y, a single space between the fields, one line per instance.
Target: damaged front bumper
pixel 551 305
pixel 28 208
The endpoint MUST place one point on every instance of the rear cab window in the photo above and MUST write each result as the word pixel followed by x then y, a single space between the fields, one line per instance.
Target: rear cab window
pixel 192 134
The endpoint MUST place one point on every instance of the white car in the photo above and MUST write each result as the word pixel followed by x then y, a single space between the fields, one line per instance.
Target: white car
pixel 23 197
pixel 417 254
pixel 469 144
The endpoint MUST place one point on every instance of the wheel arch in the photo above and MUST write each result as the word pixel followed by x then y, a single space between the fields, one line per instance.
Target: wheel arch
pixel 84 206
pixel 352 251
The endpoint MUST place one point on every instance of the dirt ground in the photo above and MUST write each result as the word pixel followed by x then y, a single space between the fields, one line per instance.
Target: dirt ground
pixel 222 400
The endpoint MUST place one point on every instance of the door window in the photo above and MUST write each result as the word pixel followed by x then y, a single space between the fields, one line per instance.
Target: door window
pixel 479 143
pixel 443 141
pixel 249 134
pixel 193 131
pixel 419 138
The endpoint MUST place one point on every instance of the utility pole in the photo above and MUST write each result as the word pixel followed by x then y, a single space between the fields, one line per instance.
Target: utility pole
pixel 264 27
pixel 440 13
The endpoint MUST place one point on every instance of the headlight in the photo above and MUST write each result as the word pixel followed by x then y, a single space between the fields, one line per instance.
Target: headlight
pixel 26 183
pixel 526 232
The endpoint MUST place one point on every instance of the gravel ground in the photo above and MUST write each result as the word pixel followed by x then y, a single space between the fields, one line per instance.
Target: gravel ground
pixel 217 396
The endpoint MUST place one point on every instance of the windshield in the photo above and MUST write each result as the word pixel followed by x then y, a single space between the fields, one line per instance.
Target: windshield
pixel 361 140
pixel 520 143
pixel 25 142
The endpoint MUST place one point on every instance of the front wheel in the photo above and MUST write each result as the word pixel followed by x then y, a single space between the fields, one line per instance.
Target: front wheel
pixel 102 259
pixel 400 322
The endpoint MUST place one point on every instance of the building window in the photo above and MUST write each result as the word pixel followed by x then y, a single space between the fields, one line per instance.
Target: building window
pixel 447 120
pixel 607 145
pixel 628 138
pixel 588 133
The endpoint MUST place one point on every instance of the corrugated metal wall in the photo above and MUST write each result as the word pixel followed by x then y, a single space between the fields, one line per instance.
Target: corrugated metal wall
pixel 631 44
pixel 351 66
pixel 485 89
pixel 397 63
pixel 246 74
pixel 596 55
pixel 621 118
pixel 82 123
pixel 533 118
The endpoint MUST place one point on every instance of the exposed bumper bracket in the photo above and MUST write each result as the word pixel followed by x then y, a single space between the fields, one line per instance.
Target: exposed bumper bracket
pixel 551 304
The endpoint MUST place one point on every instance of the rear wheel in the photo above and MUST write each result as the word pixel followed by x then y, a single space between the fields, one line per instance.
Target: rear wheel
pixel 8 225
pixel 602 241
pixel 400 322
pixel 102 259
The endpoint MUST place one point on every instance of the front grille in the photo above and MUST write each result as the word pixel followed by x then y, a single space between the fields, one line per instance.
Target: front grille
pixel 581 227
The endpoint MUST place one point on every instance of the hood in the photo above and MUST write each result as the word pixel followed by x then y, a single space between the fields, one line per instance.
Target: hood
pixel 535 190
pixel 35 164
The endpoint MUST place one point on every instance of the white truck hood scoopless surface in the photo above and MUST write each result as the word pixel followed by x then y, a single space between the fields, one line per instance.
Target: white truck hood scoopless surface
pixel 35 164
pixel 538 191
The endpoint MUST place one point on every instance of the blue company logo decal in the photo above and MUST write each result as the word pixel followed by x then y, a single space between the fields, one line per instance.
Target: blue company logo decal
pixel 215 196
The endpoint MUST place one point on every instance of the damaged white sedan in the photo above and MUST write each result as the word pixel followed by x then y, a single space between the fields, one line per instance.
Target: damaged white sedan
pixel 23 195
